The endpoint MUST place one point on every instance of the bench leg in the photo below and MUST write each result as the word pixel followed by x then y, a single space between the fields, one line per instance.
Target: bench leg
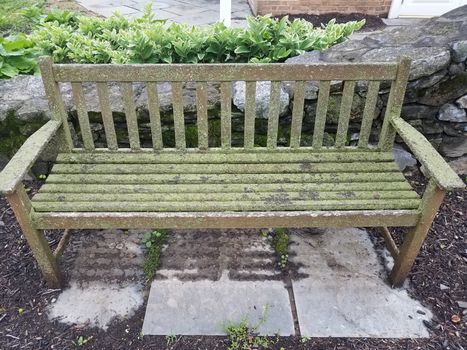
pixel 431 201
pixel 20 204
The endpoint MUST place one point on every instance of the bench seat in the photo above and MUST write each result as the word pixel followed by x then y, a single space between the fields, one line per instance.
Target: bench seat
pixel 215 182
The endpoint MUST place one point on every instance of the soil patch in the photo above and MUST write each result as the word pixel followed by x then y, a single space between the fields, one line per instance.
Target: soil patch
pixel 372 23
pixel 24 298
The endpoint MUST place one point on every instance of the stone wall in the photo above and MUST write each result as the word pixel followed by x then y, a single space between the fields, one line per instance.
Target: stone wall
pixel 435 102
pixel 436 98
pixel 280 7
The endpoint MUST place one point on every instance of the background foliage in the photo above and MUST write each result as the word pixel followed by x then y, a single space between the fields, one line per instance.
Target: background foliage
pixel 69 37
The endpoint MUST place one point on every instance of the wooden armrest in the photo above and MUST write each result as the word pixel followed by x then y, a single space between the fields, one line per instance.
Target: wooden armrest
pixel 22 161
pixel 435 165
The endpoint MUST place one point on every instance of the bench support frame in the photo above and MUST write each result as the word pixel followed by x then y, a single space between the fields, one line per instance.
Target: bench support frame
pixel 21 206
pixel 431 201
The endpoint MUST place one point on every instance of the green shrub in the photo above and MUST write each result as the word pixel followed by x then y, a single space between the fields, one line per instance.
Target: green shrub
pixel 18 55
pixel 147 40
pixel 69 37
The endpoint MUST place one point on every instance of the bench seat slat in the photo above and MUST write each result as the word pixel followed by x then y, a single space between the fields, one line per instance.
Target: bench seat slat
pixel 223 188
pixel 269 205
pixel 222 196
pixel 259 219
pixel 266 168
pixel 217 157
pixel 222 178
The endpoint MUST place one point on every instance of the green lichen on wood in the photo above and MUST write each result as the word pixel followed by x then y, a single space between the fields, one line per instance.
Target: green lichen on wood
pixel 436 166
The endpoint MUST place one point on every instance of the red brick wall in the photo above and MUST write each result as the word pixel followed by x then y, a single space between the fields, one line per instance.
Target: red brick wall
pixel 282 7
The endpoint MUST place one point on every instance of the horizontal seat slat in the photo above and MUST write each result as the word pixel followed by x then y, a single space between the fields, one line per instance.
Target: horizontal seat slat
pixel 213 157
pixel 267 205
pixel 142 220
pixel 224 72
pixel 266 168
pixel 222 196
pixel 221 188
pixel 222 178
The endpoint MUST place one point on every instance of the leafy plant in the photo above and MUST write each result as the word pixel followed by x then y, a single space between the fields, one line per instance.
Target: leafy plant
pixel 17 55
pixel 71 38
pixel 280 242
pixel 153 241
pixel 245 337
pixel 80 341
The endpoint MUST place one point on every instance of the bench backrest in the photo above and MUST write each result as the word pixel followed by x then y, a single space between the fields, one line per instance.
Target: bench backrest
pixel 225 74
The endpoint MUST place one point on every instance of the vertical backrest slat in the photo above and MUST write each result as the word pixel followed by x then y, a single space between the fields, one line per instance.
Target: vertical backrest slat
pixel 394 105
pixel 344 113
pixel 179 118
pixel 297 114
pixel 226 112
pixel 368 113
pixel 273 113
pixel 130 113
pixel 154 116
pixel 202 114
pixel 250 114
pixel 321 112
pixel 106 112
pixel 83 117
pixel 56 104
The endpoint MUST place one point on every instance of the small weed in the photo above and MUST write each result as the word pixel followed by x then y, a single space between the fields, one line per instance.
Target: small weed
pixel 244 337
pixel 304 339
pixel 280 242
pixel 20 311
pixel 80 341
pixel 153 241
pixel 42 177
pixel 171 339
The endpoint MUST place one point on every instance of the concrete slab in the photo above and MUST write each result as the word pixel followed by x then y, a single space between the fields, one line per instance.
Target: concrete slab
pixel 97 304
pixel 205 307
pixel 344 292
pixel 209 278
pixel 106 278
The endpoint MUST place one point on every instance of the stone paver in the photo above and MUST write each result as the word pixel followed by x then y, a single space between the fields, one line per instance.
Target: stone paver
pixel 206 307
pixel 345 293
pixel 209 278
pixel 200 12
pixel 106 279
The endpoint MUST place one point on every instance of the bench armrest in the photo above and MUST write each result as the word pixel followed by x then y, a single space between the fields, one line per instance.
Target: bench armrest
pixel 435 165
pixel 28 153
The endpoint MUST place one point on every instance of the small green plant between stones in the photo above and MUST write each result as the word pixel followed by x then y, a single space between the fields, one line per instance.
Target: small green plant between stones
pixel 171 339
pixel 304 339
pixel 244 337
pixel 280 242
pixel 153 242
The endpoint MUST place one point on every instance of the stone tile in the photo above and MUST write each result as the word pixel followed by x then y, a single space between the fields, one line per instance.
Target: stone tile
pixel 210 277
pixel 205 307
pixel 97 304
pixel 201 12
pixel 343 292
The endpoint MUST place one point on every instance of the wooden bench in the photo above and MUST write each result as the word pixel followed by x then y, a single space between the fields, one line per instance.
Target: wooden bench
pixel 221 186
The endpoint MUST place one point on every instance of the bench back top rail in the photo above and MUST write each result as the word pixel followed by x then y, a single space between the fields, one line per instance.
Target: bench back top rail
pixel 201 75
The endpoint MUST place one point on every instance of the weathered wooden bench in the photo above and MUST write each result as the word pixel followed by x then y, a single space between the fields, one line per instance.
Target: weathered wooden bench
pixel 220 186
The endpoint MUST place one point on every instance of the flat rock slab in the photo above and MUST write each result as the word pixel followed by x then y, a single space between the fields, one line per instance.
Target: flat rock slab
pixel 209 278
pixel 106 279
pixel 206 307
pixel 345 293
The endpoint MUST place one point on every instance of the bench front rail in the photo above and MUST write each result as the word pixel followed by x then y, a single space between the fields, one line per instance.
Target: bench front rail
pixel 130 185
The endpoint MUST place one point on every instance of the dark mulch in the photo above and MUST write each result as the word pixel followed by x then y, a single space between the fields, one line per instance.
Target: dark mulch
pixel 24 297
pixel 371 22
